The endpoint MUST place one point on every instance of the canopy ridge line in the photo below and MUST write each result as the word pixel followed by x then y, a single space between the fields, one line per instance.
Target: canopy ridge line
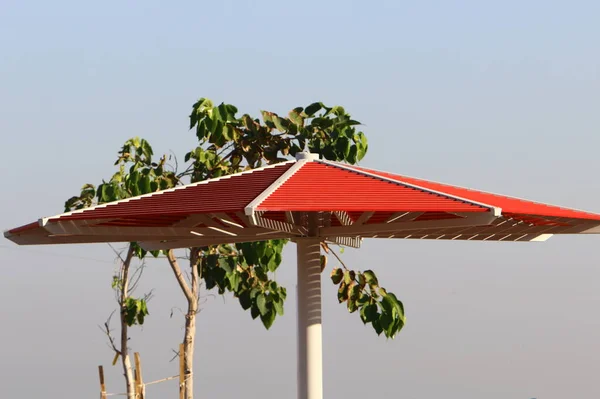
pixel 250 209
pixel 495 210
pixel 43 221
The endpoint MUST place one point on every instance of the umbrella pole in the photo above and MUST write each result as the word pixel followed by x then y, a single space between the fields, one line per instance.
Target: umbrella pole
pixel 310 349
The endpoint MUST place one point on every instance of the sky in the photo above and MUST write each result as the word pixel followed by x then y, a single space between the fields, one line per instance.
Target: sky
pixel 499 96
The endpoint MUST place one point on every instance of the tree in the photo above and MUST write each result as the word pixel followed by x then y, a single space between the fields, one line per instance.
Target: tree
pixel 227 144
pixel 143 176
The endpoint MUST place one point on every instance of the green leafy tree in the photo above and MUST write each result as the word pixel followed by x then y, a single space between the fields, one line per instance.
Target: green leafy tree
pixel 227 144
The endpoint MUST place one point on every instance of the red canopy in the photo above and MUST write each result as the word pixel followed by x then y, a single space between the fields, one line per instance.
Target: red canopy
pixel 273 202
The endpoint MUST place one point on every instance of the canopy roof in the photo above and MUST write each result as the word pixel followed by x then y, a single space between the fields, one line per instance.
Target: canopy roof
pixel 274 202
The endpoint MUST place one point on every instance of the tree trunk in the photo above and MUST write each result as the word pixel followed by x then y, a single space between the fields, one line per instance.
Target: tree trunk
pixel 125 359
pixel 191 293
pixel 188 348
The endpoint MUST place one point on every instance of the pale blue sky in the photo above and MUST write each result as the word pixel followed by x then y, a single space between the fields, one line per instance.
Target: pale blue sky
pixel 502 97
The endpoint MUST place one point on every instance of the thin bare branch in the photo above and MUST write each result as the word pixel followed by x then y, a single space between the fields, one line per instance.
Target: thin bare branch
pixel 106 330
pixel 336 255
pixel 178 308
pixel 116 252
pixel 176 355
pixel 136 276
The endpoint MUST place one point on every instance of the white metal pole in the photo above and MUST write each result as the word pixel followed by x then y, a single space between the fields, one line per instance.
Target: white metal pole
pixel 310 346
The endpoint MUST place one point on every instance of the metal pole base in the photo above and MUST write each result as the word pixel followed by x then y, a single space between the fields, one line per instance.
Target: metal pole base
pixel 310 347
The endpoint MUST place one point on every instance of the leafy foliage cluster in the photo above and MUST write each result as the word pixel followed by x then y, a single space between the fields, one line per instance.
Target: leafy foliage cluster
pixel 248 143
pixel 227 144
pixel 134 309
pixel 362 293
pixel 244 271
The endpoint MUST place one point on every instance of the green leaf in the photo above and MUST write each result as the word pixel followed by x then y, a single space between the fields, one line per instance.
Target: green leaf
pixel 268 319
pixel 267 116
pixel 342 146
pixel 147 149
pixel 337 275
pixel 273 287
pixel 354 291
pixel 278 306
pixel 312 109
pixel 364 298
pixel 342 292
pixel 228 132
pixel 377 326
pixel 272 264
pixel 296 118
pixel 245 300
pixel 347 277
pixel 144 184
pixel 142 311
pixel 254 292
pixel 261 303
pixel 352 157
pixel 234 281
pixel 201 131
pixel 361 144
pixel 352 305
pixel 249 252
pixel 368 313
pixel 231 111
pixel 155 253
pixel 370 277
pixel 224 112
pixel 362 281
pixel 217 115
pixel 212 261
pixel 392 305
pixel 386 321
pixel 280 123
pixel 338 110
pixel 227 264
pixel 254 312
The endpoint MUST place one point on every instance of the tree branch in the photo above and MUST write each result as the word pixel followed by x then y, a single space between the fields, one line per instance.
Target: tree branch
pixel 106 331
pixel 179 276
pixel 125 274
pixel 326 248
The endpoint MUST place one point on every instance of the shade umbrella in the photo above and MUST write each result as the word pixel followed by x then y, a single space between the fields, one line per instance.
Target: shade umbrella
pixel 309 201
